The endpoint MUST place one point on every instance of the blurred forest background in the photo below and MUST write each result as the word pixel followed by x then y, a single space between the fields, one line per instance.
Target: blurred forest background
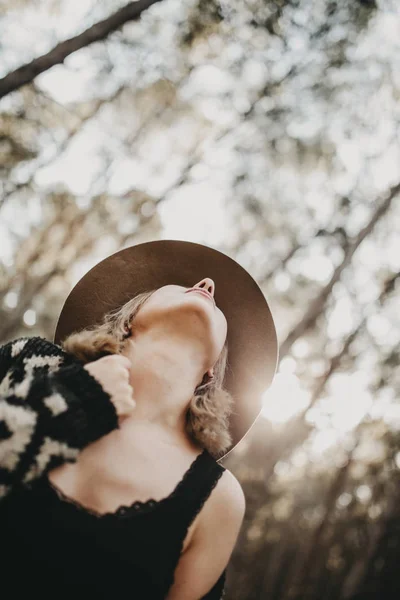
pixel 268 129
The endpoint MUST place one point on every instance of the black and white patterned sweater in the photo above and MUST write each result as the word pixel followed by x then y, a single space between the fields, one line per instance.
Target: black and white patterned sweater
pixel 51 407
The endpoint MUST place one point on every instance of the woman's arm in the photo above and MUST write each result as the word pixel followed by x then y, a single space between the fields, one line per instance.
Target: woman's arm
pixel 50 408
pixel 218 590
pixel 200 573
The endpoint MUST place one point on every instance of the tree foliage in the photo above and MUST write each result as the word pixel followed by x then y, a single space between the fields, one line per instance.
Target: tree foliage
pixel 267 129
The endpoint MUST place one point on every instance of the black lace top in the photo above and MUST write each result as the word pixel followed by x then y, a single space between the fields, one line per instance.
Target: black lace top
pixel 58 548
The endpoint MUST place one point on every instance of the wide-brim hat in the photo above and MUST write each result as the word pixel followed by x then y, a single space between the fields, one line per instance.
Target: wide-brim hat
pixel 252 339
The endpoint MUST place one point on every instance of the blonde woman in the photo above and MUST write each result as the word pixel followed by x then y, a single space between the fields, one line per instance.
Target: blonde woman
pixel 109 446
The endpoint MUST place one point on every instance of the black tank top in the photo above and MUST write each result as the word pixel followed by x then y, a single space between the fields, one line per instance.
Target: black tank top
pixel 56 547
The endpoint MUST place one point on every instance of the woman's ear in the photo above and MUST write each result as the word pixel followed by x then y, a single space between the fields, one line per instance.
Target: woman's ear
pixel 210 374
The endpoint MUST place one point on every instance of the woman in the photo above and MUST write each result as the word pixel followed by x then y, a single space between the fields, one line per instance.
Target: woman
pixel 98 515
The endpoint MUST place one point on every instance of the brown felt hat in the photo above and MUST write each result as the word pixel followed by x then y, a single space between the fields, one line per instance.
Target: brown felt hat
pixel 252 339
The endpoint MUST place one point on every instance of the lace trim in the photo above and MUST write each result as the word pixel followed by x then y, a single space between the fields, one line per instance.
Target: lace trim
pixel 138 506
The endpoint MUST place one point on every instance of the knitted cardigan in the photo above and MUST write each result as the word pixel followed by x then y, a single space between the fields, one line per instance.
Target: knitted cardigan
pixel 51 407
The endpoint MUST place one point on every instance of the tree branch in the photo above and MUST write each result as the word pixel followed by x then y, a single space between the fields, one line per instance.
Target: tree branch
pixel 57 55
pixel 317 306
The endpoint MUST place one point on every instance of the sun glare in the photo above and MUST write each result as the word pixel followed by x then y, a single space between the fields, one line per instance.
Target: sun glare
pixel 284 399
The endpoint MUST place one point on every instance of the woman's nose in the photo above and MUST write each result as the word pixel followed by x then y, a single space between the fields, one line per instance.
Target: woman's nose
pixel 208 284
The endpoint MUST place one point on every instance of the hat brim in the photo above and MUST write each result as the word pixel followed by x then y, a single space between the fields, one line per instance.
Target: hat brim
pixel 252 339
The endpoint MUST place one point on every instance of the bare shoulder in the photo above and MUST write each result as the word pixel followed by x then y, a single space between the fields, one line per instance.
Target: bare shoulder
pixel 226 508
pixel 230 492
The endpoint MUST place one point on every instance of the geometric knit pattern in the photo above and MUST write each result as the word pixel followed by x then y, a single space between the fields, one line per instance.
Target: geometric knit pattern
pixel 50 408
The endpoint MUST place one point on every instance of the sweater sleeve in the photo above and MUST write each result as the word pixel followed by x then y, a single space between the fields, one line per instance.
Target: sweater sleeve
pixel 46 416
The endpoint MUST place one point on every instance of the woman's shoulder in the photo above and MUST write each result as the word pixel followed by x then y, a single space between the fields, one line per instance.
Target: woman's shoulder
pixel 229 490
pixel 226 506
pixel 217 529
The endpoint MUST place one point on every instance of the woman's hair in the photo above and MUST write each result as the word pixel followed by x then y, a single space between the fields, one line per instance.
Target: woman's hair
pixel 207 416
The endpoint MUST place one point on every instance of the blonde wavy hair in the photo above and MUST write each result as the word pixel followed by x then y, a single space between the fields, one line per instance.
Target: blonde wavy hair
pixel 207 415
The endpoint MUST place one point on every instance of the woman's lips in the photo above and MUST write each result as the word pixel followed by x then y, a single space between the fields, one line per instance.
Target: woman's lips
pixel 204 294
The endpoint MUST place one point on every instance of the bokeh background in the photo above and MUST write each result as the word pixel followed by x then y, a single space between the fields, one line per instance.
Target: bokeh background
pixel 268 129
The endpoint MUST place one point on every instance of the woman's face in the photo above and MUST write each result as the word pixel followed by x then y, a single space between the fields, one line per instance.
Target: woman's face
pixel 190 312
